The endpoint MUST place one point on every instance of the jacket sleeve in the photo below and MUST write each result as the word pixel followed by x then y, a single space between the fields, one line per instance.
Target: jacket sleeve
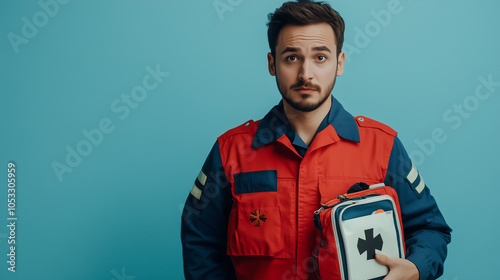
pixel 205 221
pixel 426 232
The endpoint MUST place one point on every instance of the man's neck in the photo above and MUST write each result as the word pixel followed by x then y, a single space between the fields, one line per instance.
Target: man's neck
pixel 306 123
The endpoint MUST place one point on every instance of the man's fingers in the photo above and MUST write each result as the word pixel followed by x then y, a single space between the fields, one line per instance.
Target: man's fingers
pixel 385 260
pixel 398 268
pixel 382 259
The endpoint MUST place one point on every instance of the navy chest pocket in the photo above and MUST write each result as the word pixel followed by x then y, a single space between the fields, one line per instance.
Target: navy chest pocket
pixel 256 181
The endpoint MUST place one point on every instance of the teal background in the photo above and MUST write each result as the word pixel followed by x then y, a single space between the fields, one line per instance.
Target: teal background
pixel 117 214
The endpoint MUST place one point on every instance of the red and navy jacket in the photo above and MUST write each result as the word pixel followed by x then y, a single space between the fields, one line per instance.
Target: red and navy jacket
pixel 250 212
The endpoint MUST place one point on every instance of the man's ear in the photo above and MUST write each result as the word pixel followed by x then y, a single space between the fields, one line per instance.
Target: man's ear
pixel 270 64
pixel 340 63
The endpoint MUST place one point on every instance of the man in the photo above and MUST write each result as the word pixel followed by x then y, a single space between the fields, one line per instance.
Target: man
pixel 250 212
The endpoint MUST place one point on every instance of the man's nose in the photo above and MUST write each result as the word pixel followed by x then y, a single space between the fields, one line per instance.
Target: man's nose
pixel 306 71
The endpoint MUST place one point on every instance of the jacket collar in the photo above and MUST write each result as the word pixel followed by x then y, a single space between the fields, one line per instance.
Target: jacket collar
pixel 275 124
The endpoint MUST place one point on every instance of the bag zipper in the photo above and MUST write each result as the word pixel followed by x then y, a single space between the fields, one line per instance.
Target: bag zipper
pixel 341 198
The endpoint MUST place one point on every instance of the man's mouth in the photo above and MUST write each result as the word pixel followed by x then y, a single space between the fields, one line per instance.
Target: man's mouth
pixel 305 89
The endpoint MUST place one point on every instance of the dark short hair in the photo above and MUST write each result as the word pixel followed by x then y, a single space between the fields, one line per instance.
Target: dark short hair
pixel 304 12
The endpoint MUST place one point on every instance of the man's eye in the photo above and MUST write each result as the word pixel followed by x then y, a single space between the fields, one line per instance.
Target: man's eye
pixel 292 58
pixel 321 58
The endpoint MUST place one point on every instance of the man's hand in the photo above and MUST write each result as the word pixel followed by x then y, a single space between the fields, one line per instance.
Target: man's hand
pixel 399 269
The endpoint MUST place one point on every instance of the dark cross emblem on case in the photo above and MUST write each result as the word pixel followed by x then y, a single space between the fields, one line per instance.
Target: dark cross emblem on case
pixel 369 244
pixel 256 217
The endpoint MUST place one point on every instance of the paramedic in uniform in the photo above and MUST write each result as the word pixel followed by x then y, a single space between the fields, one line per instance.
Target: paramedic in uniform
pixel 249 214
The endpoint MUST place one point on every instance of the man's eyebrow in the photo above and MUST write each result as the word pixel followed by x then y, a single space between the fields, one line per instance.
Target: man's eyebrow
pixel 290 49
pixel 293 49
pixel 322 48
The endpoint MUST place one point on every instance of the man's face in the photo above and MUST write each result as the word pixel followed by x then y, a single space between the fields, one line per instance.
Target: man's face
pixel 306 65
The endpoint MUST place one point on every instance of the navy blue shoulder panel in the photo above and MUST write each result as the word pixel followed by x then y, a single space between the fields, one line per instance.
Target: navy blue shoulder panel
pixel 205 221
pixel 426 232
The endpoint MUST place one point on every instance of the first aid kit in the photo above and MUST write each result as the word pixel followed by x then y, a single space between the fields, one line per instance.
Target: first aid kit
pixel 355 226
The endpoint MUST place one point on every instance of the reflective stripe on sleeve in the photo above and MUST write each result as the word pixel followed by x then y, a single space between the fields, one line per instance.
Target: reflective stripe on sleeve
pixel 412 176
pixel 415 179
pixel 420 187
pixel 202 178
pixel 196 192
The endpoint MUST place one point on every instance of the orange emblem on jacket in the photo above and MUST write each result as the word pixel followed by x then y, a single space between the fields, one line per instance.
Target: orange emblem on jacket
pixel 256 217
